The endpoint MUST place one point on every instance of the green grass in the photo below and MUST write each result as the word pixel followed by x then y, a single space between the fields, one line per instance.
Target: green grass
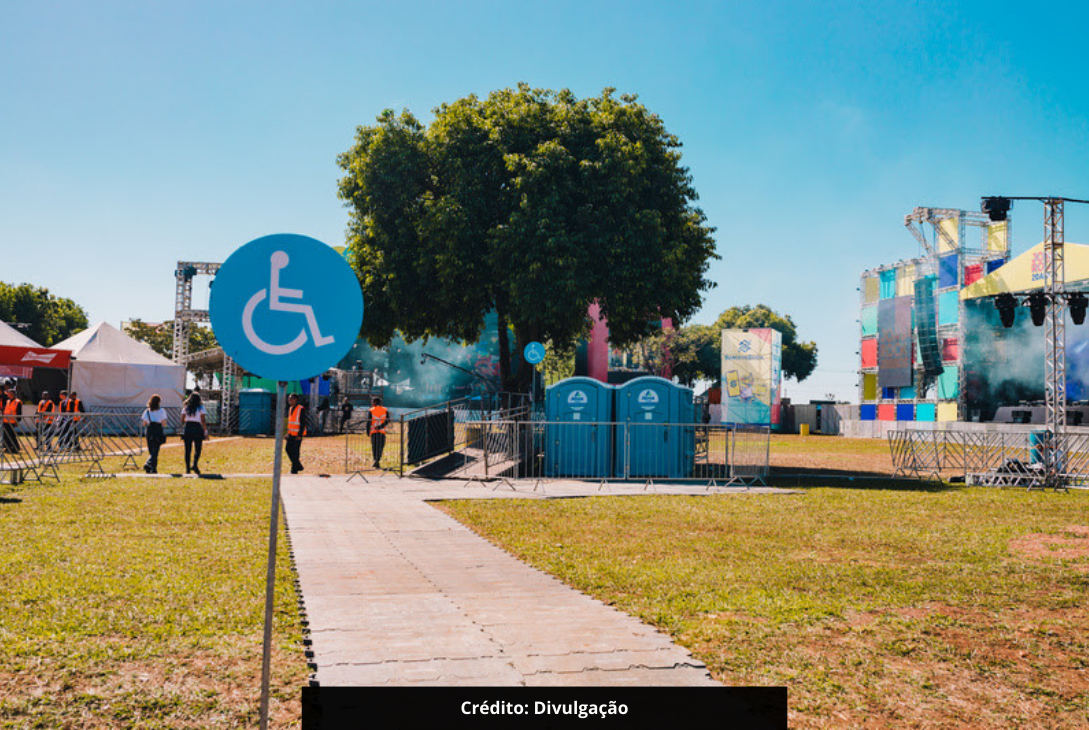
pixel 139 603
pixel 887 608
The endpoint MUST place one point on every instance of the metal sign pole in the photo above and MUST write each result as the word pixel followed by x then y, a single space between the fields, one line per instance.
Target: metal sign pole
pixel 274 520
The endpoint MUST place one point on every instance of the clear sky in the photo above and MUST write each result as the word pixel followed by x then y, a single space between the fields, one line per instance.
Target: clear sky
pixel 136 134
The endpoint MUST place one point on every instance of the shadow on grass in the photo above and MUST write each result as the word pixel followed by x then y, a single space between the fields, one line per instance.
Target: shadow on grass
pixel 10 500
pixel 802 478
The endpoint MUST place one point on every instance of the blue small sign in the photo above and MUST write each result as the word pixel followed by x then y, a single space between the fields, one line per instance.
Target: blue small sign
pixel 534 353
pixel 286 307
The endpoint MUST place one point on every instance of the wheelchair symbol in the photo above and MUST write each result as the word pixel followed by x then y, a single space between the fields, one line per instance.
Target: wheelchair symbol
pixel 276 294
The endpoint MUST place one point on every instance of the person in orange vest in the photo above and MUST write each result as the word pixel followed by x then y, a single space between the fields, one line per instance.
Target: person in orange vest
pixel 296 429
pixel 46 406
pixel 377 419
pixel 70 433
pixel 13 408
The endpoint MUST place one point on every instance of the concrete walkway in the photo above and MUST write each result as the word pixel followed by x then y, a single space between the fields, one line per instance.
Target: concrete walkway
pixel 397 593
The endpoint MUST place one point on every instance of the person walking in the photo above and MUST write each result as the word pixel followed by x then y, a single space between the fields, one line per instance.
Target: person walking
pixel 345 415
pixel 296 430
pixel 195 431
pixel 154 419
pixel 377 419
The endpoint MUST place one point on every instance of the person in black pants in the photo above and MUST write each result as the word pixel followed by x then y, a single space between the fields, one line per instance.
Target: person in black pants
pixel 196 430
pixel 154 418
pixel 296 429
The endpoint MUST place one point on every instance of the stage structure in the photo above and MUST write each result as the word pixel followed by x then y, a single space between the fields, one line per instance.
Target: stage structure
pixel 204 364
pixel 912 323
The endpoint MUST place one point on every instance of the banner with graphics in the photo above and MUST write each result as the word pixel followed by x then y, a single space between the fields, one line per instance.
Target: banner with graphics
pixel 894 349
pixel 752 362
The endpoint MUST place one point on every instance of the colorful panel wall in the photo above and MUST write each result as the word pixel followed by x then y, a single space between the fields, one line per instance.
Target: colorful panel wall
pixel 871 290
pixel 869 321
pixel 947 383
pixel 947 271
pixel 905 281
pixel 924 412
pixel 948 307
pixel 973 273
pixel 888 284
pixel 867 412
pixel 869 355
pixel 907 393
pixel 947 411
pixel 869 386
pixel 886 412
pixel 905 412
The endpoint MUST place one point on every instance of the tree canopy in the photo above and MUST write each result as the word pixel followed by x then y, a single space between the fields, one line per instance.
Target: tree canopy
pixel 48 319
pixel 161 337
pixel 696 351
pixel 532 203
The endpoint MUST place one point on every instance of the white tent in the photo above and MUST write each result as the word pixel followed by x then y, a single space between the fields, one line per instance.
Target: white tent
pixel 111 369
pixel 11 337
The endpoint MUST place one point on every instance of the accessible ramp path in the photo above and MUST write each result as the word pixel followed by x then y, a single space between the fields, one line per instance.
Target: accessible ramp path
pixel 395 592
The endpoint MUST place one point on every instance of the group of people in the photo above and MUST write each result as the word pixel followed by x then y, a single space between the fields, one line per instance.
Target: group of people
pixel 375 426
pixel 57 422
pixel 194 431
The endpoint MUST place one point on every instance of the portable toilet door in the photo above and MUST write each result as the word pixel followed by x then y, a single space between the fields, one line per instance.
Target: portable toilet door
pixel 578 430
pixel 647 441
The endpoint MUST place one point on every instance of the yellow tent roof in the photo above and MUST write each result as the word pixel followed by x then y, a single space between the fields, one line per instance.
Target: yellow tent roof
pixel 1026 272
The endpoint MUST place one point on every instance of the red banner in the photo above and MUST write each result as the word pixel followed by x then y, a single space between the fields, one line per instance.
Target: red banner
pixel 35 357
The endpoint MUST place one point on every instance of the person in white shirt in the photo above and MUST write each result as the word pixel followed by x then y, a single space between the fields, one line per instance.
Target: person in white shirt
pixel 196 430
pixel 154 417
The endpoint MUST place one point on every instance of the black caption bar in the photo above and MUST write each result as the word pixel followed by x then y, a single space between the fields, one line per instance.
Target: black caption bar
pixel 340 708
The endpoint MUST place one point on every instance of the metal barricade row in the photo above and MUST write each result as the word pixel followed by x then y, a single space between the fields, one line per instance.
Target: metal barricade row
pixel 34 445
pixel 993 458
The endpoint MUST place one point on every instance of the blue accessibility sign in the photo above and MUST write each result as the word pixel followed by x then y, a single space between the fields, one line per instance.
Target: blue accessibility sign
pixel 286 307
pixel 534 353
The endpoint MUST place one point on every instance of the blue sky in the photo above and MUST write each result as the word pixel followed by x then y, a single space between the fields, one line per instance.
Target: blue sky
pixel 136 134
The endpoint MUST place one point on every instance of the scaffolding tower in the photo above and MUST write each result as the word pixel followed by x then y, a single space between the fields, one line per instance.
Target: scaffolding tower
pixel 184 316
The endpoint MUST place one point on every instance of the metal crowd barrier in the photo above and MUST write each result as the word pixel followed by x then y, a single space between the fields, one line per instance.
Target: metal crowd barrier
pixel 999 458
pixel 36 444
pixel 540 450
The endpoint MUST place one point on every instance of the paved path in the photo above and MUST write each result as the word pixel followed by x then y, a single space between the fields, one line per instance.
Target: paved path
pixel 397 593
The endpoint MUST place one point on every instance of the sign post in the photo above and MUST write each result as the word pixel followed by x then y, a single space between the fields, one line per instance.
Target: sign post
pixel 534 354
pixel 284 333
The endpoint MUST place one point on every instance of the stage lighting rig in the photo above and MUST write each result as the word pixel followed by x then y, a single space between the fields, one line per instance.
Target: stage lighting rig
pixel 1077 303
pixel 1037 303
pixel 1006 304
pixel 997 209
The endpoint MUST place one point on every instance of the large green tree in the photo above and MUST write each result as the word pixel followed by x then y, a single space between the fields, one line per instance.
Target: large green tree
pixel 530 203
pixel 695 352
pixel 42 317
pixel 160 337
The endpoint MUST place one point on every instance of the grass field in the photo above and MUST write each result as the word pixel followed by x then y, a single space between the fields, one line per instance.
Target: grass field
pixel 140 603
pixel 876 607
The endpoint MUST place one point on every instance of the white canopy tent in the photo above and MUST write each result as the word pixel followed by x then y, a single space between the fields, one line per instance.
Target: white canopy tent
pixel 11 337
pixel 110 370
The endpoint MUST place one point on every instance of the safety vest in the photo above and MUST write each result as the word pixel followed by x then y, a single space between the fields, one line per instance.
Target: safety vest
pixel 46 406
pixel 294 422
pixel 379 418
pixel 12 410
pixel 71 406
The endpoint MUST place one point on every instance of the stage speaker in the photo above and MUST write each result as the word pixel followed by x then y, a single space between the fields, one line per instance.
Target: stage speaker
pixel 926 327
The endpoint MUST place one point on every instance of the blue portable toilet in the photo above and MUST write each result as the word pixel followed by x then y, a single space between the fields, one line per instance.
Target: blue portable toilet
pixel 655 433
pixel 578 430
pixel 255 411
